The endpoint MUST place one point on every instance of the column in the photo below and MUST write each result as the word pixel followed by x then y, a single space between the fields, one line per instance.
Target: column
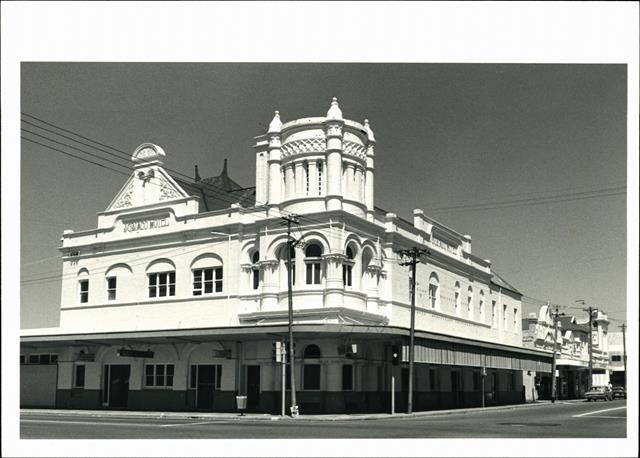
pixel 275 153
pixel 300 179
pixel 368 180
pixel 289 181
pixel 333 131
pixel 313 179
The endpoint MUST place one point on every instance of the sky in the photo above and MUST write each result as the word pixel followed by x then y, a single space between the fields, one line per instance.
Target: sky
pixel 528 159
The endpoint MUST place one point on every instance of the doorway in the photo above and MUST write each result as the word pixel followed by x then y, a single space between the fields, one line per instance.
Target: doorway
pixel 253 387
pixel 116 385
pixel 455 388
pixel 207 381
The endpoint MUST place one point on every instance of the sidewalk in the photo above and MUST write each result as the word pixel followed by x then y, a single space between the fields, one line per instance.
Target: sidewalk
pixel 213 416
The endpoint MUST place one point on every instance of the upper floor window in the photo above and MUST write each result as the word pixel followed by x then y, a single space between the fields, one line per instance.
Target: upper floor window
pixel 616 358
pixel 470 303
pixel 305 166
pixel 255 270
pixel 504 316
pixel 313 262
pixel 319 168
pixel 44 358
pixel 111 288
pixel 162 284
pixel 515 321
pixel 457 298
pixel 347 268
pixel 83 286
pixel 494 322
pixel 434 291
pixel 207 281
pixel 288 269
pixel 481 306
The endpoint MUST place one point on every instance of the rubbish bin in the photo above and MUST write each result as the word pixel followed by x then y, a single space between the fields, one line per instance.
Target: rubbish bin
pixel 241 403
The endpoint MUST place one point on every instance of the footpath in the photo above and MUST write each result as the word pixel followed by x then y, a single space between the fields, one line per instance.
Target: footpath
pixel 227 416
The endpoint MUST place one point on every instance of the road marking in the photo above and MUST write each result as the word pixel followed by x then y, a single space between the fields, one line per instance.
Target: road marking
pixel 609 416
pixel 24 420
pixel 189 424
pixel 599 411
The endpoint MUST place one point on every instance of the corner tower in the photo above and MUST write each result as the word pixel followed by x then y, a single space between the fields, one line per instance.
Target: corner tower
pixel 316 164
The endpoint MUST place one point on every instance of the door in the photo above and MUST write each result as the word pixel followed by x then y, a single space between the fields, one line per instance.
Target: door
pixel 205 387
pixel 455 388
pixel 253 387
pixel 118 388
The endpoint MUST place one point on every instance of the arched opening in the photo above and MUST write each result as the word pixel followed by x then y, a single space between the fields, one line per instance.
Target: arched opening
pixel 457 298
pixel 481 306
pixel 284 265
pixel 311 370
pixel 347 267
pixel 313 262
pixel 470 303
pixel 434 291
pixel 255 270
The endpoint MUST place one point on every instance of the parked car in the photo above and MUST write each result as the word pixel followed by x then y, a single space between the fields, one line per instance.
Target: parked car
pixel 619 392
pixel 599 392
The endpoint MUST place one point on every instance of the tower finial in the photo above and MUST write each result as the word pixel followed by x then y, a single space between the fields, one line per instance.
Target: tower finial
pixel 276 124
pixel 334 111
pixel 224 169
pixel 367 127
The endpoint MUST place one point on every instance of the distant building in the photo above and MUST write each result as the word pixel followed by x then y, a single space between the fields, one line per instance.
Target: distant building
pixel 617 367
pixel 176 300
pixel 572 350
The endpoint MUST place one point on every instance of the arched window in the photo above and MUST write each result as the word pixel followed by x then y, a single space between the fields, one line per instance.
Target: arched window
pixel 306 177
pixel 207 273
pixel 311 370
pixel 319 167
pixel 83 286
pixel 434 291
pixel 312 351
pixel 457 298
pixel 347 268
pixel 283 259
pixel 313 262
pixel 255 270
pixel 161 276
pixel 470 303
pixel 482 306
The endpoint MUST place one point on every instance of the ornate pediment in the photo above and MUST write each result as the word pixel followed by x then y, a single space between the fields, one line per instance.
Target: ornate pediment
pixel 148 152
pixel 146 186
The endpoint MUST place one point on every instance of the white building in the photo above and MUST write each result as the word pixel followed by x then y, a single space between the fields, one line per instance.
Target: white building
pixel 194 272
pixel 572 351
pixel 617 367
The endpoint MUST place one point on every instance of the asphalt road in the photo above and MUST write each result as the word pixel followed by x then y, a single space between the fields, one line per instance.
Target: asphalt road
pixel 559 420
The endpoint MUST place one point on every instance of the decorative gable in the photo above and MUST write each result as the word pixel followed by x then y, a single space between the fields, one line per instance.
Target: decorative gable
pixel 149 183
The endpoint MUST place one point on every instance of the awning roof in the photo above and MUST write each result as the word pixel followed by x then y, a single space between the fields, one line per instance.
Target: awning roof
pixel 257 332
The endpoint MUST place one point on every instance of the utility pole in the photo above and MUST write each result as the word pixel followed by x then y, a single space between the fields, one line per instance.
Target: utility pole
pixel 413 254
pixel 590 310
pixel 292 374
pixel 623 327
pixel 554 391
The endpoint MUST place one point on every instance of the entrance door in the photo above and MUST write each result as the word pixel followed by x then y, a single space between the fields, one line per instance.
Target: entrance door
pixel 206 385
pixel 253 387
pixel 455 388
pixel 118 387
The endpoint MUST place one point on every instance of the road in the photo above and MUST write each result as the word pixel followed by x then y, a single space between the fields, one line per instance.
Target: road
pixel 560 420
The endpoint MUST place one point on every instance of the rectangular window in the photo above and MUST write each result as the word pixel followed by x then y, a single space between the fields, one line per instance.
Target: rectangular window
pixel 34 359
pixel 207 281
pixel 347 275
pixel 313 273
pixel 193 379
pixel 158 375
pixel 45 358
pixel 311 377
pixel 256 278
pixel 162 284
pixel 111 288
pixel 515 321
pixel 78 379
pixel 433 291
pixel 306 175
pixel 504 316
pixel 616 358
pixel 84 291
pixel 319 167
pixel 347 377
pixel 493 314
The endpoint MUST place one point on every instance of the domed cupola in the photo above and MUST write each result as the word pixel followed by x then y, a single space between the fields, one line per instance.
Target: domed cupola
pixel 317 164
